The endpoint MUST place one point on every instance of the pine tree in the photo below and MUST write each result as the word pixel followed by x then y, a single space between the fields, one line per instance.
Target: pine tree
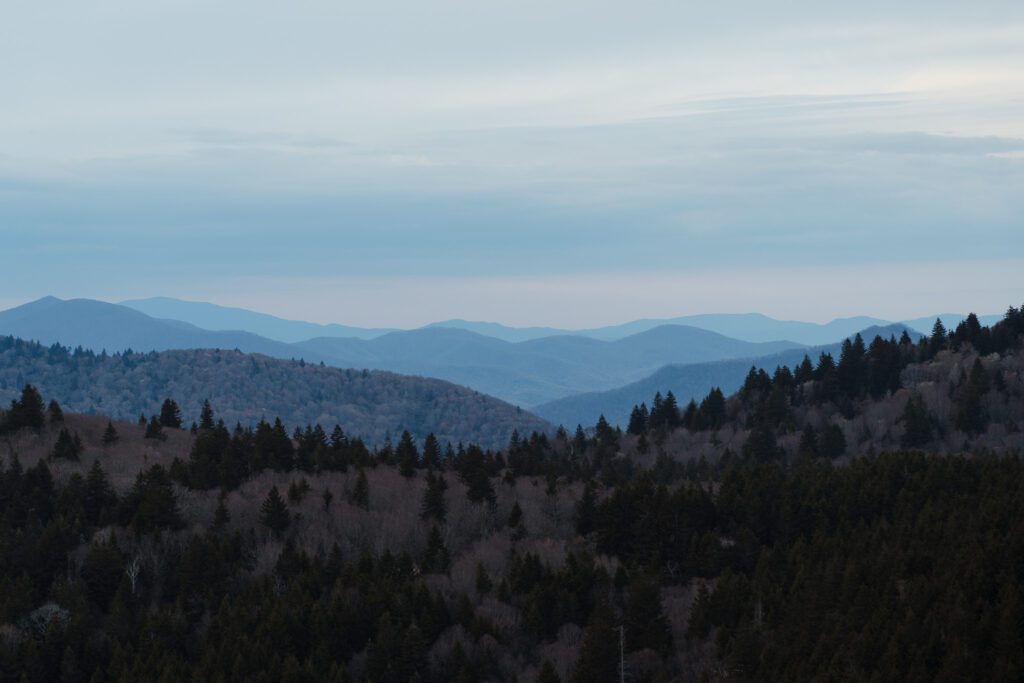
pixel 67 447
pixel 221 516
pixel 26 412
pixel 361 491
pixel 110 435
pixel 431 452
pixel 206 416
pixel 407 455
pixel 98 497
pixel 154 430
pixel 434 505
pixel 327 497
pixel 435 558
pixel 55 412
pixel 170 415
pixel 643 617
pixel 917 424
pixel 598 660
pixel 474 473
pixel 273 513
pixel 515 522
pixel 833 442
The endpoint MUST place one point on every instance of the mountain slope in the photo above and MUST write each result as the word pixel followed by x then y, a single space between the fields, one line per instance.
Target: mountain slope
pixel 532 372
pixel 213 317
pixel 246 387
pixel 98 325
pixel 685 381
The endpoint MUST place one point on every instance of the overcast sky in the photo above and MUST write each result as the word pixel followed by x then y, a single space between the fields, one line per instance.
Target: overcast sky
pixel 564 163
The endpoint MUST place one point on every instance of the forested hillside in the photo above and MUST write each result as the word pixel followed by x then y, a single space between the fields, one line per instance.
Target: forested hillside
pixel 850 518
pixel 245 388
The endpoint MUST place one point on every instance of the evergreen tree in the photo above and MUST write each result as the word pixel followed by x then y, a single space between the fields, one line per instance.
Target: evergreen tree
pixel 67 447
pixel 435 559
pixel 154 430
pixel 206 416
pixel 586 509
pixel 637 420
pixel 361 491
pixel 833 442
pixel 431 452
pixel 142 420
pixel 598 660
pixel 809 442
pixel 26 412
pixel 55 412
pixel 327 498
pixel 476 477
pixel 515 522
pixel 644 620
pixel 170 415
pixel 98 497
pixel 407 455
pixel 273 513
pixel 110 435
pixel 917 424
pixel 221 516
pixel 434 505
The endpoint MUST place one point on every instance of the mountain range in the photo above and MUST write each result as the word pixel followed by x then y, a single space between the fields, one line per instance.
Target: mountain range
pixel 751 327
pixel 566 376
pixel 691 381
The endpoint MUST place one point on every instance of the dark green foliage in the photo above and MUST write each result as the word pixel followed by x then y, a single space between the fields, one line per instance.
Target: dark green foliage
pixel 434 505
pixel 435 558
pixel 170 414
pixel 407 455
pixel 206 415
pixel 273 512
pixel 483 581
pixel 598 661
pixel 110 435
pixel 151 505
pixel 586 510
pixel 473 469
pixel 833 442
pixel 55 412
pixel 155 430
pixel 26 411
pixel 361 491
pixel 643 617
pixel 917 424
pixel 67 447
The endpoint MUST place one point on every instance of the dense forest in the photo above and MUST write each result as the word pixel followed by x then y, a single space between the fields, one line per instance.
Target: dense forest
pixel 248 387
pixel 852 518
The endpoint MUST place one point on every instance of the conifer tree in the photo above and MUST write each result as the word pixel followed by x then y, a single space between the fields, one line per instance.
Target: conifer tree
pixel 55 412
pixel 586 510
pixel 361 491
pixel 154 430
pixel 407 455
pixel 917 424
pixel 434 505
pixel 206 416
pixel 515 522
pixel 598 660
pixel 431 452
pixel 98 497
pixel 110 435
pixel 435 558
pixel 221 516
pixel 273 513
pixel 67 447
pixel 547 673
pixel 643 617
pixel 477 479
pixel 170 414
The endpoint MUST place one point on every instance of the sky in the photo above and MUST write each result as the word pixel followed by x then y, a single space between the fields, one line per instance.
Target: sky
pixel 535 163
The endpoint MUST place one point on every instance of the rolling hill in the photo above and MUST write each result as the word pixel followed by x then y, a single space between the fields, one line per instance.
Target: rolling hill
pixel 213 317
pixel 247 387
pixel 539 370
